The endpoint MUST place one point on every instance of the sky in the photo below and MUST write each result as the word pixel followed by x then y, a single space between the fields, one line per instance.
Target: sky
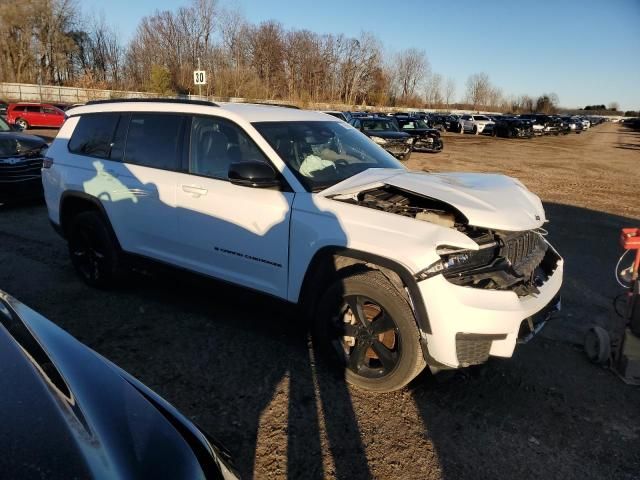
pixel 586 51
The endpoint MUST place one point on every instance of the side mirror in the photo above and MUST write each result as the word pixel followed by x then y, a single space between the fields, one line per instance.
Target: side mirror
pixel 253 174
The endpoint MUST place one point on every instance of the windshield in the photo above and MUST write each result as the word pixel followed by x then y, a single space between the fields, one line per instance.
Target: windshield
pixel 4 126
pixel 413 124
pixel 378 125
pixel 322 154
pixel 480 117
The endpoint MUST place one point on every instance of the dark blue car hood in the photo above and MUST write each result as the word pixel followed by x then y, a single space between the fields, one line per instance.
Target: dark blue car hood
pixel 66 412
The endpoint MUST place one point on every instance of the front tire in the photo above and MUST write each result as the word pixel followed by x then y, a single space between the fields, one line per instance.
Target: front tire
pixel 94 252
pixel 365 327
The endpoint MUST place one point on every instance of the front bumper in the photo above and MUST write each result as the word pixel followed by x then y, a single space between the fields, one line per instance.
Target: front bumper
pixel 428 144
pixel 20 179
pixel 20 190
pixel 460 317
pixel 400 150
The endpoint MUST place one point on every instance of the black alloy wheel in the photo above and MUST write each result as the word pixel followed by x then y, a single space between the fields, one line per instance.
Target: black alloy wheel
pixel 87 254
pixel 94 253
pixel 367 338
pixel 365 327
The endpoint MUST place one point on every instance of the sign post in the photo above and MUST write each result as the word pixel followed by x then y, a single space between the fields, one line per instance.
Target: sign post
pixel 199 78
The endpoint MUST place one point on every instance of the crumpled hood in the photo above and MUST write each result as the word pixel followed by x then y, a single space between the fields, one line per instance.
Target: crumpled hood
pixel 487 200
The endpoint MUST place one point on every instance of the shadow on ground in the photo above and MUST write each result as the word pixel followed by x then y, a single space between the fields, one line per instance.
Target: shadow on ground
pixel 240 364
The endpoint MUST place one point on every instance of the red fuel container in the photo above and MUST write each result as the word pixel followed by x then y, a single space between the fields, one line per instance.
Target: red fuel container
pixel 630 238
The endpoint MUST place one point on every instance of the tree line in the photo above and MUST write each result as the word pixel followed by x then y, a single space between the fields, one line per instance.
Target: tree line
pixel 52 42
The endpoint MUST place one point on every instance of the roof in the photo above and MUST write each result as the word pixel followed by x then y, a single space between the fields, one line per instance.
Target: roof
pixel 246 111
pixel 32 104
pixel 270 113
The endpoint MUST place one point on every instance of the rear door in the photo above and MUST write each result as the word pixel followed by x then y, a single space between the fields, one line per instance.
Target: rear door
pixel 34 116
pixel 153 155
pixel 52 117
pixel 129 162
pixel 236 233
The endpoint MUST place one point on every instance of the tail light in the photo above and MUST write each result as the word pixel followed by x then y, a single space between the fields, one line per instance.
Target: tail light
pixel 47 162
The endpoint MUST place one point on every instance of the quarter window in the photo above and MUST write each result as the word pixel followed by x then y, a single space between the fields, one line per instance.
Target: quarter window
pixel 155 140
pixel 93 135
pixel 216 143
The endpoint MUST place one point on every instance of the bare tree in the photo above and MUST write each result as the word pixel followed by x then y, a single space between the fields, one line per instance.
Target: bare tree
pixel 494 97
pixel 433 90
pixel 358 60
pixel 412 67
pixel 49 41
pixel 450 90
pixel 478 89
pixel 614 106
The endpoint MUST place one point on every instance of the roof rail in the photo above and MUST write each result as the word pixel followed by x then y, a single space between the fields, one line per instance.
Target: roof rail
pixel 154 100
pixel 282 105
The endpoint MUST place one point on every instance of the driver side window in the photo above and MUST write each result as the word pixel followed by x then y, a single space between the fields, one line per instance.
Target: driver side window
pixel 215 144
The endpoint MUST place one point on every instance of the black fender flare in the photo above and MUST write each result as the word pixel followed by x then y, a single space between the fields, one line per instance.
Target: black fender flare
pixel 408 279
pixel 95 202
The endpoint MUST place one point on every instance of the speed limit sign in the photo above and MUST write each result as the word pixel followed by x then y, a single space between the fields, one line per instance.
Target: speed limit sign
pixel 199 77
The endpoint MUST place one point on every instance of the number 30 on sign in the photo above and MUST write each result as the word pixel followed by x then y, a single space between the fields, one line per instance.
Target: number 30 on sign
pixel 199 77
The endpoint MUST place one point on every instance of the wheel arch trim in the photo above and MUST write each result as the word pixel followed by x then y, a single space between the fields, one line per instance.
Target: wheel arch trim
pixel 85 197
pixel 416 301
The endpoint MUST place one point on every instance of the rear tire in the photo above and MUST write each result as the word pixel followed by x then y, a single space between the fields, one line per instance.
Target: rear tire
pixel 94 252
pixel 475 130
pixel 366 328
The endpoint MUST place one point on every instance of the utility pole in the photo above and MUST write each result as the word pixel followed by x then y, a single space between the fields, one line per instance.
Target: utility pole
pixel 199 85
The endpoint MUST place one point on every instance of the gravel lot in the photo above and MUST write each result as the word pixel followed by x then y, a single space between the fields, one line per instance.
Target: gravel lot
pixel 239 364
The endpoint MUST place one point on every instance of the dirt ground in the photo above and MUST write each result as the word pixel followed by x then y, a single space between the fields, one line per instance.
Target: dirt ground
pixel 239 363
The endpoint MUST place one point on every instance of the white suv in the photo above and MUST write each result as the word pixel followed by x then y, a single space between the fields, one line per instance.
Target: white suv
pixel 476 124
pixel 395 269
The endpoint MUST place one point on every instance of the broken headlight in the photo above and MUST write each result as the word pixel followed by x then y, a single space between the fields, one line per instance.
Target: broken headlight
pixel 453 261
pixel 378 140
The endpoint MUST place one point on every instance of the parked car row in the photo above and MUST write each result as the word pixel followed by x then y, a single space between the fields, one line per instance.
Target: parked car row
pixel 399 135
pixel 508 125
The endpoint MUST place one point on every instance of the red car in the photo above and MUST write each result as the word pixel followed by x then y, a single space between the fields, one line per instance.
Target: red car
pixel 27 115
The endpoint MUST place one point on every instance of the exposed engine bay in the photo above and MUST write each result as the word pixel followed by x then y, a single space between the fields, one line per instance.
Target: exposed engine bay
pixel 395 200
pixel 516 261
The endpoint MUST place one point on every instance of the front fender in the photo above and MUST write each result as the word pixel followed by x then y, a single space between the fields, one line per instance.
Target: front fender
pixel 318 222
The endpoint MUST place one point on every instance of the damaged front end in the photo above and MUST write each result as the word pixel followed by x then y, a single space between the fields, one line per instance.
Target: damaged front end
pixel 428 141
pixel 400 148
pixel 515 261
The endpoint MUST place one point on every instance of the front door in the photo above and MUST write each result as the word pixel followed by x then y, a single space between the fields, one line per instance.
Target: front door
pixel 235 233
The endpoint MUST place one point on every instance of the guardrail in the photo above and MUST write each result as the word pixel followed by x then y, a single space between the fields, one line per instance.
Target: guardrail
pixel 25 92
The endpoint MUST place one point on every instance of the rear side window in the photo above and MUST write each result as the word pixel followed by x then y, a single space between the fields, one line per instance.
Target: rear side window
pixel 19 108
pixel 33 109
pixel 155 140
pixel 94 135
